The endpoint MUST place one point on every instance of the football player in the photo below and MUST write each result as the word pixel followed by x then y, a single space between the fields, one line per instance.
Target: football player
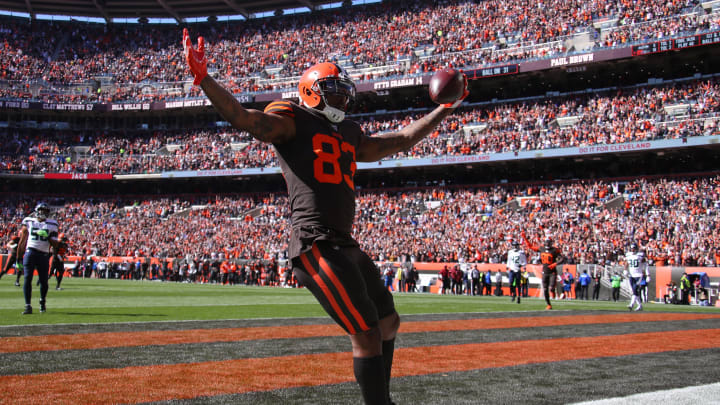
pixel 12 258
pixel 550 257
pixel 637 271
pixel 37 234
pixel 516 262
pixel 57 260
pixel 318 149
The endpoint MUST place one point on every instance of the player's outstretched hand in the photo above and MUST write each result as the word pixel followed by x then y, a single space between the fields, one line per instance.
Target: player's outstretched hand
pixel 465 93
pixel 195 58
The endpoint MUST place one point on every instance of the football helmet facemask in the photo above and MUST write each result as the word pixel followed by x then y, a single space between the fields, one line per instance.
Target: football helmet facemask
pixel 329 85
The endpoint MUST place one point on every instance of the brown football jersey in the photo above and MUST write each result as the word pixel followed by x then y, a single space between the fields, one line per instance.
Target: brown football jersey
pixel 319 166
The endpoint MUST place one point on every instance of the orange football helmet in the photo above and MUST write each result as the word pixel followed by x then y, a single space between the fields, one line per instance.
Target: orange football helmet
pixel 323 80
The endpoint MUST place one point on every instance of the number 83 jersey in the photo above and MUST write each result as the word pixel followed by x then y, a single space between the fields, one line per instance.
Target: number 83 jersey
pixel 40 232
pixel 319 167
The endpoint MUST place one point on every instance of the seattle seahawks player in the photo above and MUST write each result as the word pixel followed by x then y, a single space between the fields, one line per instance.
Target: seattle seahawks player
pixel 516 262
pixel 37 234
pixel 637 270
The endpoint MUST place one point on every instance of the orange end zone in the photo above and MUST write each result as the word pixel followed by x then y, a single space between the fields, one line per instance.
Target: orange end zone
pixel 130 339
pixel 178 381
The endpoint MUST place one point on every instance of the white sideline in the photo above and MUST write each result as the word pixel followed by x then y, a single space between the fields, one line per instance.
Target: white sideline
pixel 702 394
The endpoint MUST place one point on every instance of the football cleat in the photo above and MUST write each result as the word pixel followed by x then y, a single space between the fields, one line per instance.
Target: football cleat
pixel 28 310
pixel 548 307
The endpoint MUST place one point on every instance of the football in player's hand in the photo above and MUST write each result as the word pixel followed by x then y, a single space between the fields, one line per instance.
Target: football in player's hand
pixel 446 86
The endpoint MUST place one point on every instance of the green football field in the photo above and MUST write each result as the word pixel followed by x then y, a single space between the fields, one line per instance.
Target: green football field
pixel 102 301
pixel 118 341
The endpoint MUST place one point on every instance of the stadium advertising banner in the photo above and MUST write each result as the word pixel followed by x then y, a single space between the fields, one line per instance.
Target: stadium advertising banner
pixel 576 60
pixel 492 71
pixel 544 153
pixel 287 95
pixel 430 161
pixel 224 172
pixel 200 102
pixel 130 107
pixel 394 84
pixel 678 43
pixel 78 176
pixel 117 107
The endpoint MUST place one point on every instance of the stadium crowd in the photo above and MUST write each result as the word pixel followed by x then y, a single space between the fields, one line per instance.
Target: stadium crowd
pixel 669 111
pixel 676 220
pixel 60 58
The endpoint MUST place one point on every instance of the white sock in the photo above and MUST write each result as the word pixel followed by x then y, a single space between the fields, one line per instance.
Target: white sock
pixel 632 301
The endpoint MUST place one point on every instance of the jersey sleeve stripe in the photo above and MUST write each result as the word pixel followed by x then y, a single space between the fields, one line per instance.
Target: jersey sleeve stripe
pixel 286 113
pixel 326 291
pixel 280 103
pixel 280 107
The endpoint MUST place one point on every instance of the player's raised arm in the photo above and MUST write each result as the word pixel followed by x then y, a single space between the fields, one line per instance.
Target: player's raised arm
pixel 528 244
pixel 272 128
pixel 449 83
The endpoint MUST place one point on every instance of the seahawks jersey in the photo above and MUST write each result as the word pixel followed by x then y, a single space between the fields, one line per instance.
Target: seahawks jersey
pixel 516 259
pixel 636 263
pixel 40 232
pixel 319 167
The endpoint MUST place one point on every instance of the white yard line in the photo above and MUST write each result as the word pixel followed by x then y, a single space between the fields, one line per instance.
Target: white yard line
pixel 703 394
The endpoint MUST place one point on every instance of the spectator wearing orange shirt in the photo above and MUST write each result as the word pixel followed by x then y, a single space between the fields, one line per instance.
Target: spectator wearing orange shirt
pixel 225 272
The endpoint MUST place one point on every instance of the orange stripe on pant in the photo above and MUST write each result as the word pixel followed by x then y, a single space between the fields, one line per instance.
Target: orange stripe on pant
pixel 326 291
pixel 178 381
pixel 341 290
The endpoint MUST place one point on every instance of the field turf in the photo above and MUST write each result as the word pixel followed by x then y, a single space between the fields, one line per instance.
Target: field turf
pixel 112 341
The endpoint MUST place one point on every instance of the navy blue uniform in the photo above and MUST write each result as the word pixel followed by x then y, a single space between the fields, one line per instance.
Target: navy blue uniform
pixel 37 254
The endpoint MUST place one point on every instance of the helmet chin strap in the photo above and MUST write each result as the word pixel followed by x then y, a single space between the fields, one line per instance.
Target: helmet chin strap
pixel 334 115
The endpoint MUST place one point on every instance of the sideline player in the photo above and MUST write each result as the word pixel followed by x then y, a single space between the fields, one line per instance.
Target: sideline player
pixel 550 257
pixel 318 149
pixel 516 262
pixel 38 232
pixel 12 258
pixel 57 260
pixel 637 271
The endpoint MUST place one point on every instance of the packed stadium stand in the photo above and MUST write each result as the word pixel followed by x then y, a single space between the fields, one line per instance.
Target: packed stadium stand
pixel 596 122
